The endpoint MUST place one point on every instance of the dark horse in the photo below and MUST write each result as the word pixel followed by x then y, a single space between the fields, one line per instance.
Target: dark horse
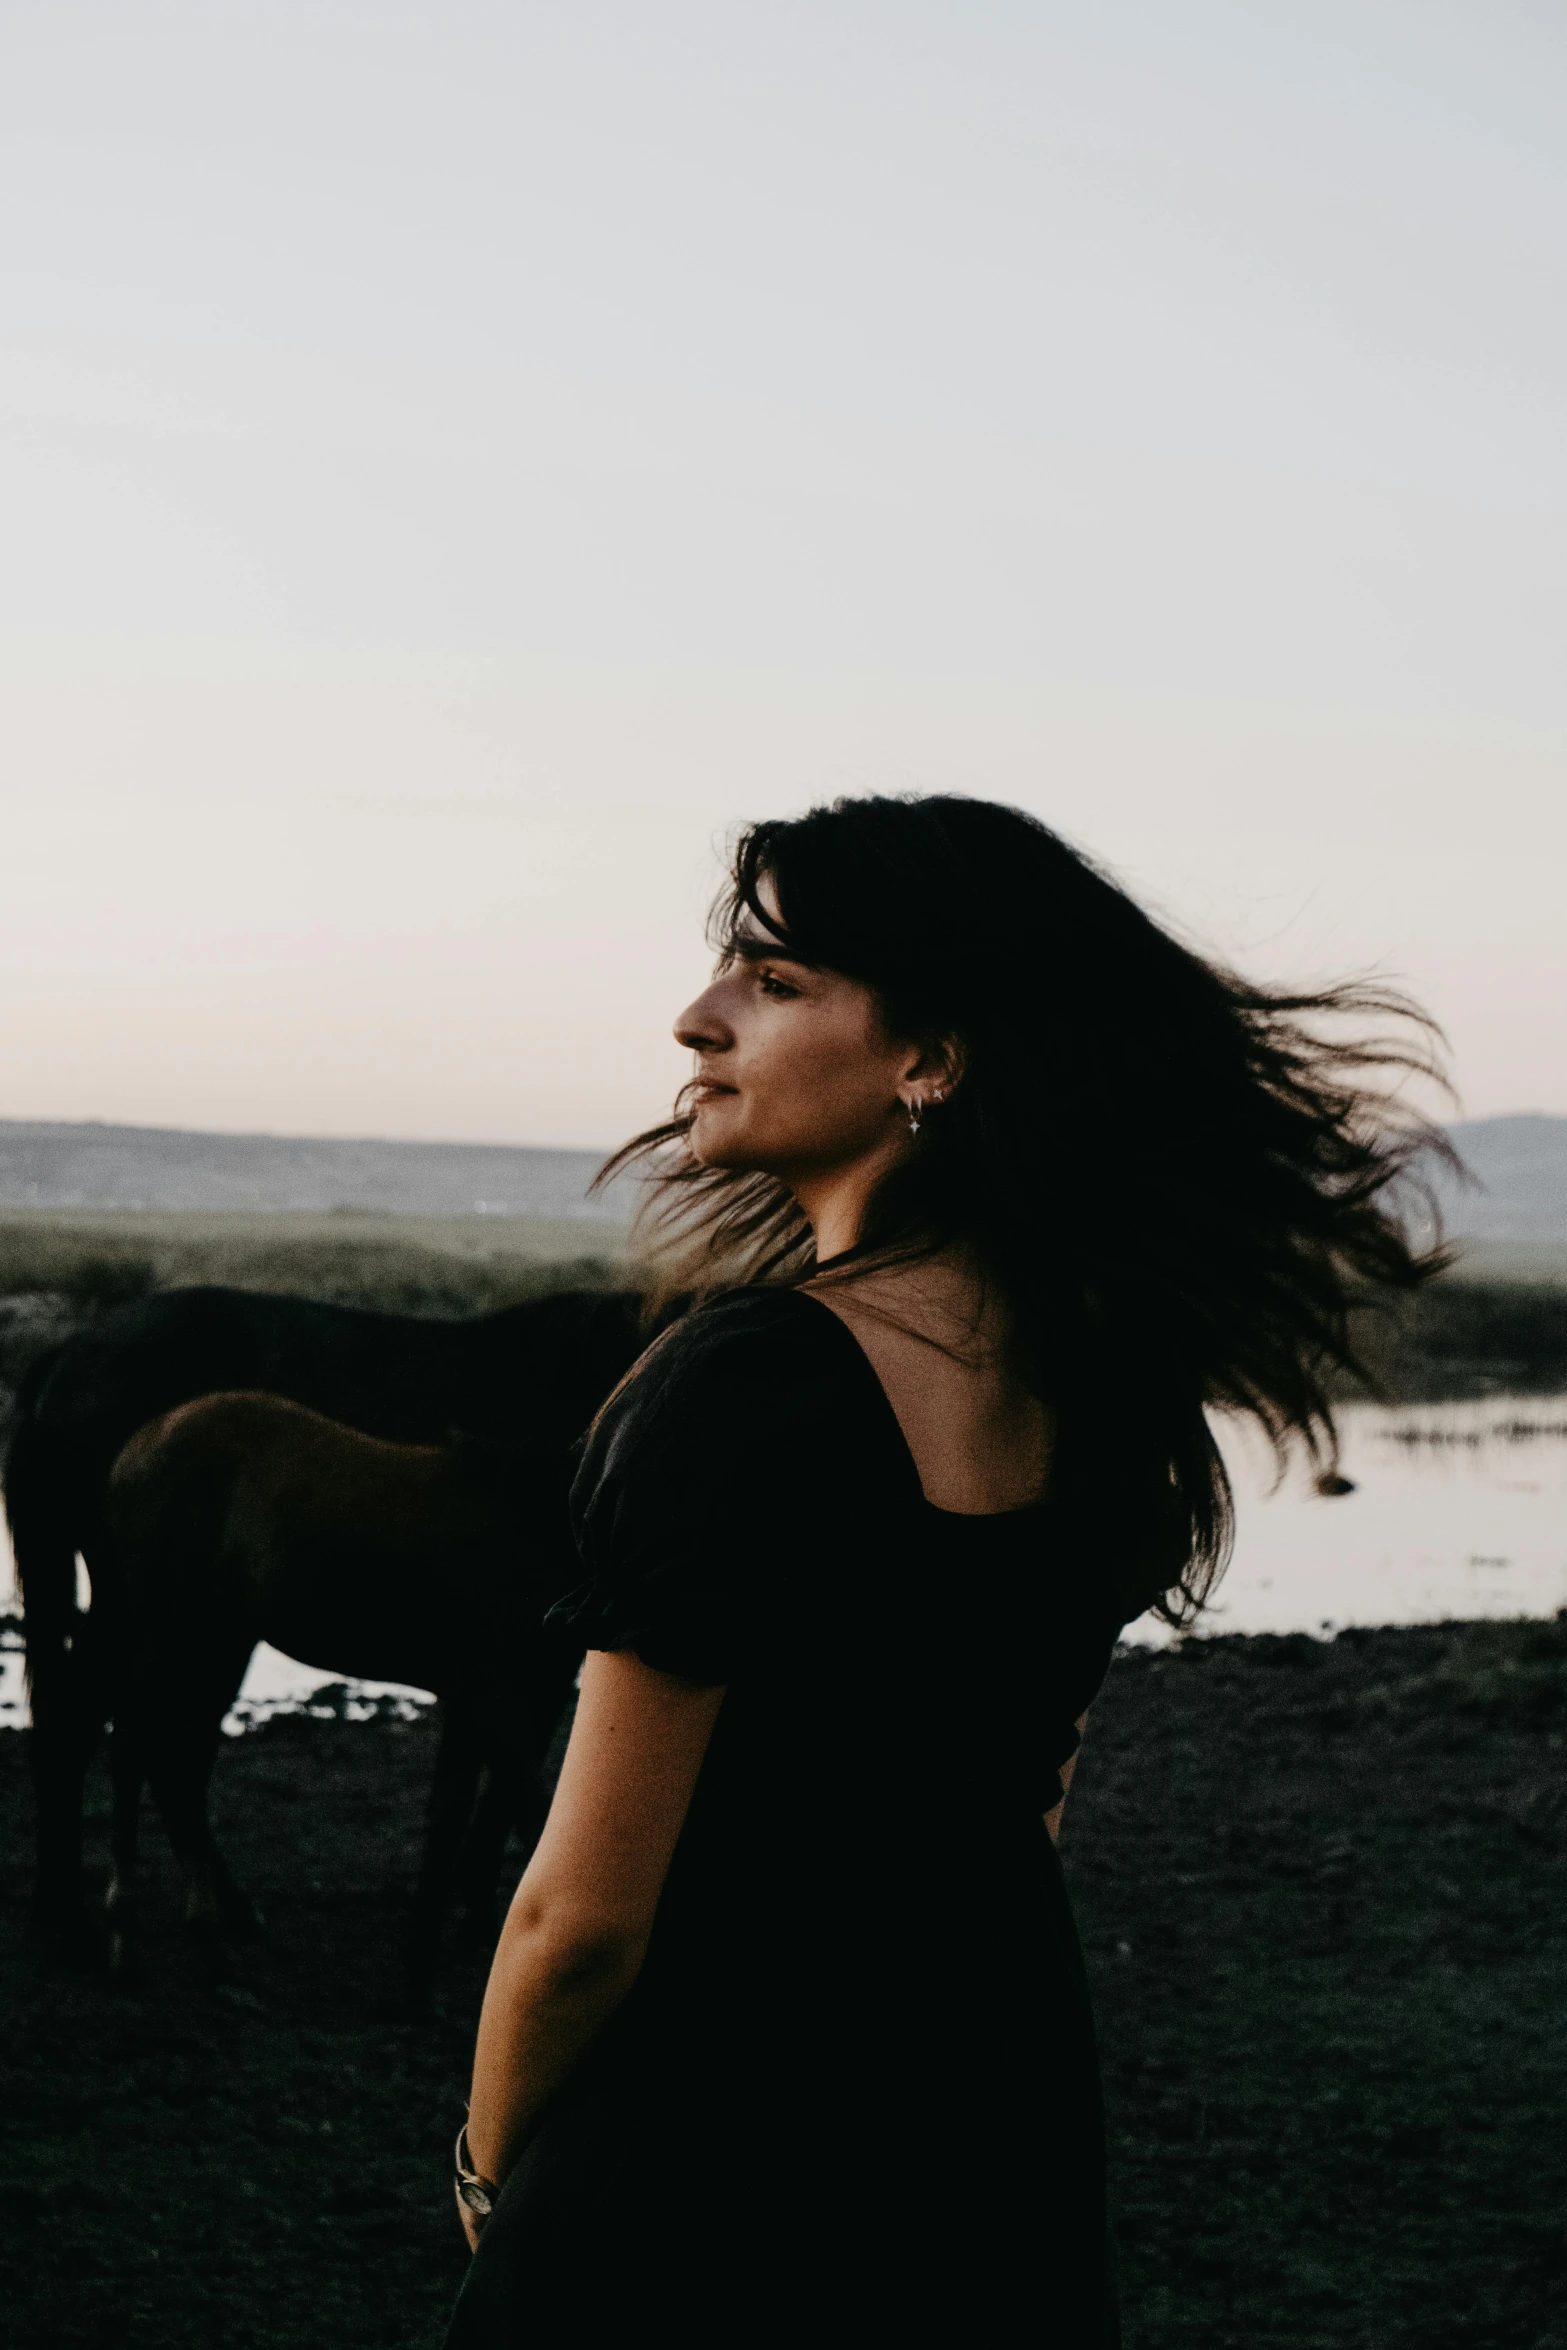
pixel 241 1518
pixel 533 1374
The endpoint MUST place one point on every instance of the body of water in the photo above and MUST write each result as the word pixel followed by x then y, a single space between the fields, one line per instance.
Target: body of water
pixel 1458 1510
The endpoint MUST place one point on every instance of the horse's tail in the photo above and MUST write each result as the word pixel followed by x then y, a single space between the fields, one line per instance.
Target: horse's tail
pixel 43 1542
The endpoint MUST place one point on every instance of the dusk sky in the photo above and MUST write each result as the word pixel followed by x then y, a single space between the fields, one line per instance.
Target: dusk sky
pixel 457 460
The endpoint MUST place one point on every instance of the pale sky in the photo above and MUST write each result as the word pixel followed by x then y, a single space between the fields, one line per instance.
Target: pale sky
pixel 457 459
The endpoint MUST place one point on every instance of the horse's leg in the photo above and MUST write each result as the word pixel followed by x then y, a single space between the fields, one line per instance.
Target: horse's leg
pixel 458 1762
pixel 122 1901
pixel 60 1749
pixel 521 1734
pixel 479 1863
pixel 69 1713
pixel 180 1754
pixel 118 1671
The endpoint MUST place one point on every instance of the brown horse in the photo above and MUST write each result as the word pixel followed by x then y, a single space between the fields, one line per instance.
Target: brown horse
pixel 242 1518
pixel 535 1372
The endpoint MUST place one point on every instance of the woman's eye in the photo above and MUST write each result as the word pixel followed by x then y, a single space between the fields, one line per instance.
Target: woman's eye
pixel 771 984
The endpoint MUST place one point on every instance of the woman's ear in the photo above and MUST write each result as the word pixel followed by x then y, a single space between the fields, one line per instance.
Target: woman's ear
pixel 934 1069
pixel 941 1065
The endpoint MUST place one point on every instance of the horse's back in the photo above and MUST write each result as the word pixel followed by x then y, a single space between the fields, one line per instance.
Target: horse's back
pixel 161 1351
pixel 398 1376
pixel 266 1449
pixel 389 1561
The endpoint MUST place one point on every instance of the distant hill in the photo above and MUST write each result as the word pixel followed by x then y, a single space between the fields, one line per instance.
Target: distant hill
pixel 1520 1163
pixel 93 1166
pixel 1521 1166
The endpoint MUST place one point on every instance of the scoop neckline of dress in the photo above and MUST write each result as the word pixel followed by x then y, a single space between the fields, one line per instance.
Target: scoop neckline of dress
pixel 1027 1509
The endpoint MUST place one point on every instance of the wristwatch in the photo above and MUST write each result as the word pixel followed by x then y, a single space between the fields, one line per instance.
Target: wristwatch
pixel 475 2192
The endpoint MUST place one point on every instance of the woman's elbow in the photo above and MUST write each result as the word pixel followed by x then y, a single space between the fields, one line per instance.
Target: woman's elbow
pixel 595 1966
pixel 575 1956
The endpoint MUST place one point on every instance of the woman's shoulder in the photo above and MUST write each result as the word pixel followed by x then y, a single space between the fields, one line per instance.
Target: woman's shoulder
pixel 732 1315
pixel 745 1359
pixel 746 1334
pixel 704 1479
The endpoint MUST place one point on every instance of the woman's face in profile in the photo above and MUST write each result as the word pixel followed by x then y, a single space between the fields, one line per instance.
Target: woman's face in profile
pixel 795 1072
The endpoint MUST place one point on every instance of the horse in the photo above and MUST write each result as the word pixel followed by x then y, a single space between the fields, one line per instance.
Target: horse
pixel 245 1517
pixel 533 1373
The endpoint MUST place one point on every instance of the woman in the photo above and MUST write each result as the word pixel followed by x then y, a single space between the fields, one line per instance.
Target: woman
pixel 994 1187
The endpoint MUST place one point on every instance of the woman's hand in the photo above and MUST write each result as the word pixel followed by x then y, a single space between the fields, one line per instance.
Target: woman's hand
pixel 472 2225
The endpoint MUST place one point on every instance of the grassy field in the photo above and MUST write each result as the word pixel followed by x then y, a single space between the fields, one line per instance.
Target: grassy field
pixel 1513 1264
pixel 1495 1324
pixel 400 1264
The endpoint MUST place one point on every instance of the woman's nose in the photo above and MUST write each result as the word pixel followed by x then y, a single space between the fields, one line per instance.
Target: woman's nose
pixel 701 1028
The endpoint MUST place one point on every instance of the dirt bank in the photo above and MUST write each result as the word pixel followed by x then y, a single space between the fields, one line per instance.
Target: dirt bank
pixel 1323 1892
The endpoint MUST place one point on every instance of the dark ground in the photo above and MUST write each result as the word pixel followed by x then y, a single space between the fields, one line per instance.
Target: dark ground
pixel 1323 1891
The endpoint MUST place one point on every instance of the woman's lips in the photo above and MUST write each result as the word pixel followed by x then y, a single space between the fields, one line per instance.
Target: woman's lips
pixel 708 1089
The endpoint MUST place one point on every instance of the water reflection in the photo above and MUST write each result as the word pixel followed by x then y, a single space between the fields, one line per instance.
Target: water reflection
pixel 1456 1510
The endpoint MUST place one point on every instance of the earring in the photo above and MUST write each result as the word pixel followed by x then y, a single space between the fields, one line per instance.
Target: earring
pixel 916 1110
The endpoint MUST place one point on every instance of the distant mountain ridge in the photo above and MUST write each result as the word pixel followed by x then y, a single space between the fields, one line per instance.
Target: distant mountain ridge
pixel 119 1167
pixel 1520 1163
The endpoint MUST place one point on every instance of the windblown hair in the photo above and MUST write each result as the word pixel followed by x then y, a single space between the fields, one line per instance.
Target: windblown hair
pixel 1181 1180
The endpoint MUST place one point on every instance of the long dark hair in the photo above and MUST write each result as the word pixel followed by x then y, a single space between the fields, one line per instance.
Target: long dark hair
pixel 1180 1180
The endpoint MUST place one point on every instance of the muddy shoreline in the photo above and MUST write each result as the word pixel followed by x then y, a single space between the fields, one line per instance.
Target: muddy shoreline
pixel 1322 1889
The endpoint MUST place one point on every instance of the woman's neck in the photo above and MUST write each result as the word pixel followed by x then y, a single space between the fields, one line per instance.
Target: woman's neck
pixel 943 1296
pixel 836 1200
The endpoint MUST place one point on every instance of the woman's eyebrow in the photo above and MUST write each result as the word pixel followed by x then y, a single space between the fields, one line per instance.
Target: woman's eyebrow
pixel 753 946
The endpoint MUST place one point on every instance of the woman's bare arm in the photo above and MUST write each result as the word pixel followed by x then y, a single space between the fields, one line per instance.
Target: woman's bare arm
pixel 577 1930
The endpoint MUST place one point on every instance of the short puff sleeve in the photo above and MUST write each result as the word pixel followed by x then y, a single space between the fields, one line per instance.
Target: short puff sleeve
pixel 687 1508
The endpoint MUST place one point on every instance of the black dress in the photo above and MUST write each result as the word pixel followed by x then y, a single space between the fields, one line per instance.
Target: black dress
pixel 853 2096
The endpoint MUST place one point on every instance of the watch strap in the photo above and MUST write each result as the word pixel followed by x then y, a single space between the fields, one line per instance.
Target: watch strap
pixel 474 2190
